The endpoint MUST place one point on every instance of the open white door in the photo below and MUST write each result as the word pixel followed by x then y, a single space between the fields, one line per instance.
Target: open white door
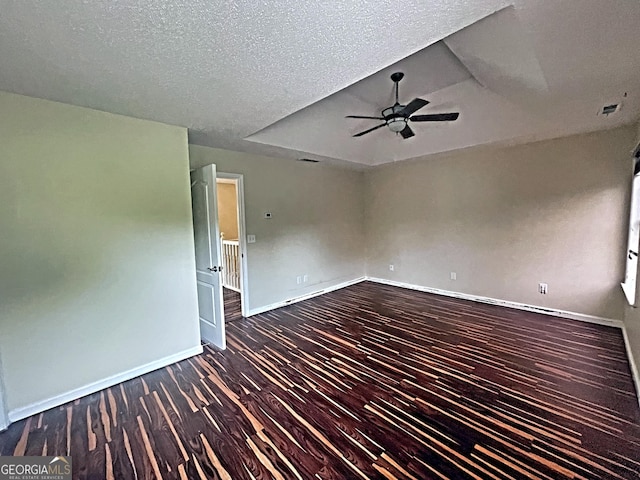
pixel 208 256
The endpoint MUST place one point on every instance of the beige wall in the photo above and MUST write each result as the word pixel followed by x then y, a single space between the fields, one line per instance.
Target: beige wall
pixel 227 210
pixel 505 219
pixel 98 273
pixel 316 229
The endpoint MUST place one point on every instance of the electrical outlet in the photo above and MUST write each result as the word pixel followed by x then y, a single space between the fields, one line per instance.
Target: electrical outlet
pixel 542 288
pixel 251 239
pixel 299 279
pixel 391 268
pixel 454 276
pixel 305 278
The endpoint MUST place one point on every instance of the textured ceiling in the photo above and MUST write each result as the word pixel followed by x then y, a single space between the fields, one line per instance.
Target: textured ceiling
pixel 235 73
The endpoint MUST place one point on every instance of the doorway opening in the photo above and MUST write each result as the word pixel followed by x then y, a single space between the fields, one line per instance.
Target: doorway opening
pixel 230 200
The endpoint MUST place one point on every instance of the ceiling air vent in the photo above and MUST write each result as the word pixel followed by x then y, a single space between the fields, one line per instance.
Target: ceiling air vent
pixel 610 109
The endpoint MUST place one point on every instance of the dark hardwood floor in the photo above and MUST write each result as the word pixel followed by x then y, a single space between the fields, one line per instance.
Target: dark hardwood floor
pixel 232 305
pixel 369 381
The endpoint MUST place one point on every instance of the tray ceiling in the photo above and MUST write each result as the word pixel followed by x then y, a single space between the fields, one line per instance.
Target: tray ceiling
pixel 277 78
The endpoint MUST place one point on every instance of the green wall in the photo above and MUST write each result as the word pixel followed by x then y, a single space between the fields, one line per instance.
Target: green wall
pixel 98 274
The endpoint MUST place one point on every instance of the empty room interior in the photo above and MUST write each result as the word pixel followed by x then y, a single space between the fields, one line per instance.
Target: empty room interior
pixel 321 240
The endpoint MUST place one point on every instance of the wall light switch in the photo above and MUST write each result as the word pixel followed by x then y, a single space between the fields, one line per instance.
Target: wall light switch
pixel 251 239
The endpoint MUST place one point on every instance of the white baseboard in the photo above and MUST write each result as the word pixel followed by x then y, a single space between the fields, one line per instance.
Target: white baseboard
pixel 609 322
pixel 284 303
pixel 632 364
pixel 41 406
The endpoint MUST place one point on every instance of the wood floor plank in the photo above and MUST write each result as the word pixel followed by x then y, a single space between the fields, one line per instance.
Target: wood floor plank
pixel 369 381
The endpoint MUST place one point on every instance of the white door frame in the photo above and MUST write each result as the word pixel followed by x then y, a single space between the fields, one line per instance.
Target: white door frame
pixel 4 415
pixel 242 238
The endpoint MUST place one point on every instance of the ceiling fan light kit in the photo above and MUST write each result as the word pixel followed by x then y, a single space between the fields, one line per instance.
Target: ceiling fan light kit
pixel 397 124
pixel 397 116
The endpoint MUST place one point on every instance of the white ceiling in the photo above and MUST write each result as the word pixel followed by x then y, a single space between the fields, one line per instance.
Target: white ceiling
pixel 277 77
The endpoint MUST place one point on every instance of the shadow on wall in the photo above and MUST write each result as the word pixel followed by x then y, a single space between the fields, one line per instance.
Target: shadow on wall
pixel 71 235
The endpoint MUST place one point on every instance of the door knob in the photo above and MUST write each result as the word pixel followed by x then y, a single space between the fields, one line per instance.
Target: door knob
pixel 215 269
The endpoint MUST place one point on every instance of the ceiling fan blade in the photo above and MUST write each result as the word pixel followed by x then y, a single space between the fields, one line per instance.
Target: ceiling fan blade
pixel 360 116
pixel 413 106
pixel 407 132
pixel 370 130
pixel 435 117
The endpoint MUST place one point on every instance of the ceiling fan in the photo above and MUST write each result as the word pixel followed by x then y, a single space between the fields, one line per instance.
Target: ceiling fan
pixel 397 116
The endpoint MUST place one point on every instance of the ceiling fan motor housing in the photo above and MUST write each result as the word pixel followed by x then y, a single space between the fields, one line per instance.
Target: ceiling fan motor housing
pixel 394 111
